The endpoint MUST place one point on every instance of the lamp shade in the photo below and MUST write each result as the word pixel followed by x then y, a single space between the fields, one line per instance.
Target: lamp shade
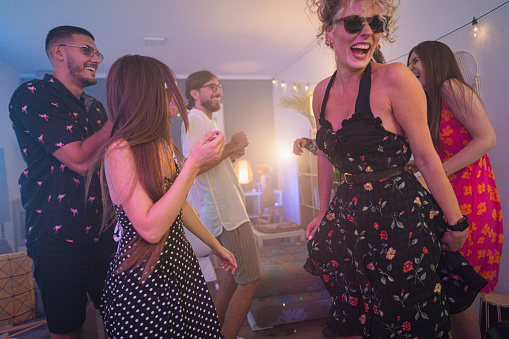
pixel 243 171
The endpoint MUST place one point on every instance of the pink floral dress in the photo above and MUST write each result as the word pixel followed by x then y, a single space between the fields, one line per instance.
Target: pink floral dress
pixel 478 197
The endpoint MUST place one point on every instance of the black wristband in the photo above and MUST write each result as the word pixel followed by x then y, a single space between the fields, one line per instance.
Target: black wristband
pixel 308 143
pixel 460 226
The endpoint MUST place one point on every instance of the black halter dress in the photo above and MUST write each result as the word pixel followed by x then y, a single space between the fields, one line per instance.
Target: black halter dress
pixel 377 249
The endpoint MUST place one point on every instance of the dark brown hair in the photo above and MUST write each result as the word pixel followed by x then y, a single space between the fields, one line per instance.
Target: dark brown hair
pixel 64 33
pixel 195 81
pixel 439 65
pixel 138 90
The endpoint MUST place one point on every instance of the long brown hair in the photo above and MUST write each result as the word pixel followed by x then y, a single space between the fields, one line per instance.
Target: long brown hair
pixel 439 66
pixel 137 90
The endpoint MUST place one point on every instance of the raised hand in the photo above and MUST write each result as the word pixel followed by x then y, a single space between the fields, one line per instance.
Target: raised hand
pixel 239 141
pixel 298 144
pixel 207 150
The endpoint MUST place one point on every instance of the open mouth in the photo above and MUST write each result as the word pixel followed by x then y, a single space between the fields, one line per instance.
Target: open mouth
pixel 91 68
pixel 360 49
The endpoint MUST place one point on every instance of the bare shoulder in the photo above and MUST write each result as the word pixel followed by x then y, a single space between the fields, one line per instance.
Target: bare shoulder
pixel 394 74
pixel 319 93
pixel 117 145
pixel 118 150
pixel 321 87
pixel 452 87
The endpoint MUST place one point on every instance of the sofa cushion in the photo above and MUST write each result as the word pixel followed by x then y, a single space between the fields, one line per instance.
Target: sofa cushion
pixel 17 298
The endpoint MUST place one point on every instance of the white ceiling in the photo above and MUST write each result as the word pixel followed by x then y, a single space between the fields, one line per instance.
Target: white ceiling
pixel 236 39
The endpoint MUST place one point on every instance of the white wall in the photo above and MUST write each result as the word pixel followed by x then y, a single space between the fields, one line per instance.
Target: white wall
pixel 13 161
pixel 490 49
pixel 316 65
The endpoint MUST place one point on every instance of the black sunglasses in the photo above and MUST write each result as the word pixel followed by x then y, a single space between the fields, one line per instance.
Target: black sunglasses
pixel 353 24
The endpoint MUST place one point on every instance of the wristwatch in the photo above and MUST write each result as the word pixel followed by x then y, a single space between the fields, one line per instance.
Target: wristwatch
pixel 460 226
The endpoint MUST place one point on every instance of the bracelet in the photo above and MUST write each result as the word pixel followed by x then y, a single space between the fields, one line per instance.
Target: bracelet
pixel 308 143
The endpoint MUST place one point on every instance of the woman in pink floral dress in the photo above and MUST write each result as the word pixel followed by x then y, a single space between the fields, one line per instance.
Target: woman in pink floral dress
pixel 463 134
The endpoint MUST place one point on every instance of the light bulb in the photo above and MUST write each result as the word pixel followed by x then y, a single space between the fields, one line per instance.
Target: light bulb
pixel 476 31
pixel 283 84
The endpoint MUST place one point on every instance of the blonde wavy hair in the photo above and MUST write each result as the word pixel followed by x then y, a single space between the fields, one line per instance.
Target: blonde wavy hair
pixel 327 10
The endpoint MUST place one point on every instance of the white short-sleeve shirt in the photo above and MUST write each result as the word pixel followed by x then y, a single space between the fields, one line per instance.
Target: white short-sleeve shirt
pixel 216 194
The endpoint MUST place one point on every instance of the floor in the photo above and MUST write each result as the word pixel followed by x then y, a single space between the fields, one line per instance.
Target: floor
pixel 310 329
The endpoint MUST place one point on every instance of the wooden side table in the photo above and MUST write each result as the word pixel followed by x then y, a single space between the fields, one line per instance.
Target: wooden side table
pixel 262 236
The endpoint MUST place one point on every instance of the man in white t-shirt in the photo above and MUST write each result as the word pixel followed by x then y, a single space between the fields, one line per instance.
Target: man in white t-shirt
pixel 219 201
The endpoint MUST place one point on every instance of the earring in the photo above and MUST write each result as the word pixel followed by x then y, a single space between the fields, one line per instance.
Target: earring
pixel 329 43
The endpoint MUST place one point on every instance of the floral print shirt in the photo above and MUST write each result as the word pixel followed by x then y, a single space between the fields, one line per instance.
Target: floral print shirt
pixel 45 116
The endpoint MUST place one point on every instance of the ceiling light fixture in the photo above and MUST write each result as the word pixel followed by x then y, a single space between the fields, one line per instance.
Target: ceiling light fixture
pixel 154 40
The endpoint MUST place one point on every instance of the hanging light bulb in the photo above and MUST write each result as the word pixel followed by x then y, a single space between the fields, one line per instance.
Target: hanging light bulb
pixel 283 84
pixel 476 31
pixel 306 88
pixel 294 86
pixel 274 81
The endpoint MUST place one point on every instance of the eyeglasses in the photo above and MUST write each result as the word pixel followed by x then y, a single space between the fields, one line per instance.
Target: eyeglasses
pixel 353 24
pixel 88 50
pixel 213 87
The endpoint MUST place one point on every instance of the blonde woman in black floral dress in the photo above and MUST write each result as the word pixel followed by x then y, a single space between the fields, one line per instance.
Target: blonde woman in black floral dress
pixel 378 245
pixel 154 288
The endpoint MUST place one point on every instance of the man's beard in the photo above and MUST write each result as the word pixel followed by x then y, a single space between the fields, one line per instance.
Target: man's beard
pixel 211 107
pixel 77 72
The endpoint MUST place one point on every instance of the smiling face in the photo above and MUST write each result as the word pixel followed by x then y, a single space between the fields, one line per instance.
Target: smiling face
pixel 209 99
pixel 81 66
pixel 415 65
pixel 354 51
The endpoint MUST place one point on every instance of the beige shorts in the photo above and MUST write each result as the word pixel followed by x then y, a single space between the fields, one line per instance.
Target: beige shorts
pixel 241 243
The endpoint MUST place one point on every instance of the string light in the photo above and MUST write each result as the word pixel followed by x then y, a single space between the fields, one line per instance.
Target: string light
pixel 457 29
pixel 295 86
pixel 476 31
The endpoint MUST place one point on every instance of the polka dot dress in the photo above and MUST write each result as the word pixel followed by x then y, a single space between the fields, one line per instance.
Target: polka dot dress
pixel 173 302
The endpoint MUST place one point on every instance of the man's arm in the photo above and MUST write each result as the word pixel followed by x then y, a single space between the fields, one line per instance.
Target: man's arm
pixel 235 148
pixel 48 119
pixel 78 155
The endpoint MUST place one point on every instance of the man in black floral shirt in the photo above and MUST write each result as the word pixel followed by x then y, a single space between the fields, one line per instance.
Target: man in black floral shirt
pixel 59 130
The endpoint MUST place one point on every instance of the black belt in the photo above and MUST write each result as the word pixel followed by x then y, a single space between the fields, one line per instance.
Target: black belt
pixel 366 177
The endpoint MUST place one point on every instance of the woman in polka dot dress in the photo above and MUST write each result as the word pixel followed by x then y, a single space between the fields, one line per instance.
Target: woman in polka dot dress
pixel 154 288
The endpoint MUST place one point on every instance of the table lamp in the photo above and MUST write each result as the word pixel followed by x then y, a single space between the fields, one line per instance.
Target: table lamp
pixel 243 172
